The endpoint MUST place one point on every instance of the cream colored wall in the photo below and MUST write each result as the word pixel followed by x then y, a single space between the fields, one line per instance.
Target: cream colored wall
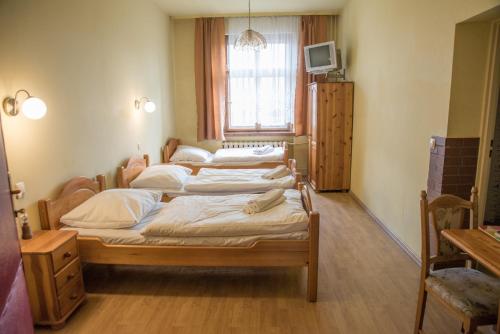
pixel 468 78
pixel 185 95
pixel 88 60
pixel 399 54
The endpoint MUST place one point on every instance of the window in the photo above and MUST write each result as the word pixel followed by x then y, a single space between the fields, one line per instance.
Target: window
pixel 261 85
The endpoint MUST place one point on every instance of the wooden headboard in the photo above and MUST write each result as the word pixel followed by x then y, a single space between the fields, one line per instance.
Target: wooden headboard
pixel 132 168
pixel 74 192
pixel 169 148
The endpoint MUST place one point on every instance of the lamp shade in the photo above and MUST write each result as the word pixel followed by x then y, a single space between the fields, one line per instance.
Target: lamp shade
pixel 149 106
pixel 250 40
pixel 34 108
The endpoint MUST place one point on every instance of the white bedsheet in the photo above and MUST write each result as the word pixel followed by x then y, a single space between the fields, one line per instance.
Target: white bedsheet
pixel 234 181
pixel 223 216
pixel 133 236
pixel 225 155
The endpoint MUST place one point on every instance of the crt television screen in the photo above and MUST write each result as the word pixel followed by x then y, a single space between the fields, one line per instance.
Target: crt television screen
pixel 320 56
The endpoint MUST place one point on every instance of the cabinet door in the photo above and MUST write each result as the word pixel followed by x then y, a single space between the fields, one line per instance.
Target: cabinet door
pixel 347 130
pixel 334 136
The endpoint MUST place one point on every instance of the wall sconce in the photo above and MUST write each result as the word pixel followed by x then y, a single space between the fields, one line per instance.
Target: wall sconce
pixel 148 106
pixel 32 107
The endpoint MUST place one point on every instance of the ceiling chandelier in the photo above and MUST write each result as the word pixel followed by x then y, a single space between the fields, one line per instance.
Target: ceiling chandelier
pixel 250 39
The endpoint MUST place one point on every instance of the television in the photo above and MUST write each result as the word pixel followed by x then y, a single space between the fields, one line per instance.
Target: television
pixel 321 58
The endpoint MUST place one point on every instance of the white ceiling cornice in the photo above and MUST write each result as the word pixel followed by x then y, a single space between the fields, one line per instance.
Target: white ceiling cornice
pixel 200 8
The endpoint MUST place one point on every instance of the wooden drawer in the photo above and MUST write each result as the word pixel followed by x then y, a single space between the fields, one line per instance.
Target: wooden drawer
pixel 64 254
pixel 53 275
pixel 68 275
pixel 70 296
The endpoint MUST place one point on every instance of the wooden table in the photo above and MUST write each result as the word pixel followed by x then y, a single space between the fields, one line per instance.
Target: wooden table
pixel 482 248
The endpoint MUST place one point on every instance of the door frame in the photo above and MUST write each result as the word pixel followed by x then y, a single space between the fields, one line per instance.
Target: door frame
pixel 488 115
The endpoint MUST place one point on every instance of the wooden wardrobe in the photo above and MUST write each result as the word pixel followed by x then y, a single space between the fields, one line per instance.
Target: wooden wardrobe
pixel 330 107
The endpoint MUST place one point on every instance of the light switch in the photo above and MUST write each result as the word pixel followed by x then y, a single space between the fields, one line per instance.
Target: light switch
pixel 432 143
pixel 22 188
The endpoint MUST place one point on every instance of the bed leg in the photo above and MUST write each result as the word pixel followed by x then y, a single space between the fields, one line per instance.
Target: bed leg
pixel 312 267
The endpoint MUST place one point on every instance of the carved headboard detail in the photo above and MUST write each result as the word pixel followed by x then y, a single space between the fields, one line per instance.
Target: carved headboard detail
pixel 74 192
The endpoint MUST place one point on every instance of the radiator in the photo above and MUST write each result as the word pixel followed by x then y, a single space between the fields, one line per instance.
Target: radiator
pixel 250 143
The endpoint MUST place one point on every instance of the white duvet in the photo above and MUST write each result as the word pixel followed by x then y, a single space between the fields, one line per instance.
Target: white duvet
pixel 133 236
pixel 234 180
pixel 246 155
pixel 223 181
pixel 223 216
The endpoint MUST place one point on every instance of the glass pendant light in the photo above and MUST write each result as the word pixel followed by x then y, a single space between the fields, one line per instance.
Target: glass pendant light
pixel 250 39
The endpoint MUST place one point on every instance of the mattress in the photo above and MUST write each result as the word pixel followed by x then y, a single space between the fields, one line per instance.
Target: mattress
pixel 132 236
pixel 230 155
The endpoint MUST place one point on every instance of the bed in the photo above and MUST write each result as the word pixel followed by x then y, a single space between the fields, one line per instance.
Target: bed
pixel 298 251
pixel 230 157
pixel 213 181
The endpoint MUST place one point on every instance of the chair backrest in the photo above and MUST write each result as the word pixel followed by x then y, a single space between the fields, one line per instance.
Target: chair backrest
pixel 444 212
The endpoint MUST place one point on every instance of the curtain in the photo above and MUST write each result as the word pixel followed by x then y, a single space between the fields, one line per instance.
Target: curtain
pixel 313 29
pixel 210 77
pixel 262 83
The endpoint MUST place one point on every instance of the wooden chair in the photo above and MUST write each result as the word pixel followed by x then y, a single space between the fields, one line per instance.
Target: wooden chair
pixel 470 295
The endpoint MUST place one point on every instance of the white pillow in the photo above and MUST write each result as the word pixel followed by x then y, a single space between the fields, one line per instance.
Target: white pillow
pixel 162 177
pixel 114 208
pixel 190 153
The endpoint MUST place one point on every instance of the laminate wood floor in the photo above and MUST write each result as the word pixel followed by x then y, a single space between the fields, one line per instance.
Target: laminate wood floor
pixel 367 284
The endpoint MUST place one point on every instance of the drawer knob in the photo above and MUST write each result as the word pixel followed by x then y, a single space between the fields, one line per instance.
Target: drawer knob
pixel 66 255
pixel 73 296
pixel 70 277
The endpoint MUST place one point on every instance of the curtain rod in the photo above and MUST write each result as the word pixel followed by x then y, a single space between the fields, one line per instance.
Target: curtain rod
pixel 185 17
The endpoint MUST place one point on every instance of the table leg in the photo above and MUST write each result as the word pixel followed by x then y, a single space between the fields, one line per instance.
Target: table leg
pixel 498 319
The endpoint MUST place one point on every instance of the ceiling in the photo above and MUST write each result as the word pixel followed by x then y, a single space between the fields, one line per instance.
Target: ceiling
pixel 192 8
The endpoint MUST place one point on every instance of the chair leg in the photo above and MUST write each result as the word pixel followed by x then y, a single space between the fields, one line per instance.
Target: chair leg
pixel 469 327
pixel 421 303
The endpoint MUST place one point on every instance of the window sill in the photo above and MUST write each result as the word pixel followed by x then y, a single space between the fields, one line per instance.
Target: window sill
pixel 259 133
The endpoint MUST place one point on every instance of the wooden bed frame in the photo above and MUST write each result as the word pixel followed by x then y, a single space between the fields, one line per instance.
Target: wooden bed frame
pixel 135 165
pixel 169 149
pixel 263 253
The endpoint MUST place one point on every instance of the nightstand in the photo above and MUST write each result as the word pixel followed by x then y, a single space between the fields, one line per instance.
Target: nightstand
pixel 53 276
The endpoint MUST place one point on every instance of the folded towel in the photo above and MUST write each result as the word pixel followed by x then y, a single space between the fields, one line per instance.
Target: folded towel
pixel 263 150
pixel 265 201
pixel 253 209
pixel 277 173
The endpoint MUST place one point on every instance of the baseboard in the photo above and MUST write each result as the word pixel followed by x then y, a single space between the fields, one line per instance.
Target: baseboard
pixel 387 231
